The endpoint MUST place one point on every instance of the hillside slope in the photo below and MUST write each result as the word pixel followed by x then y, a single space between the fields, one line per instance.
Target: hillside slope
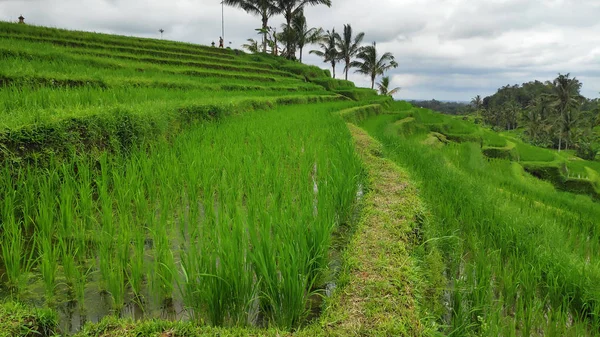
pixel 65 90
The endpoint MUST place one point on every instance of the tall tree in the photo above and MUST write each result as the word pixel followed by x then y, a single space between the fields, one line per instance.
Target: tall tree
pixel 264 8
pixel 477 102
pixel 290 8
pixel 303 34
pixel 328 50
pixel 349 46
pixel 373 65
pixel 566 99
pixel 510 114
pixel 384 87
pixel 535 119
pixel 251 46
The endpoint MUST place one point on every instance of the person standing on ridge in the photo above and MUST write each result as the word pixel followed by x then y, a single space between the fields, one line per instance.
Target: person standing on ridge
pixel 220 42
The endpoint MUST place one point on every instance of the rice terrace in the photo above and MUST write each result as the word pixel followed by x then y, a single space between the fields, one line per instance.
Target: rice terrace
pixel 150 187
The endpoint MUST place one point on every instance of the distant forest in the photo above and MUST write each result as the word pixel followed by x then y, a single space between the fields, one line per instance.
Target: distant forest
pixel 551 114
pixel 450 108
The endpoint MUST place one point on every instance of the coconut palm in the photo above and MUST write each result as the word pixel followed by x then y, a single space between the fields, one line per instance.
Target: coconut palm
pixel 251 46
pixel 371 64
pixel 566 100
pixel 348 46
pixel 328 50
pixel 304 35
pixel 384 86
pixel 264 8
pixel 535 119
pixel 290 8
pixel 477 102
pixel 510 113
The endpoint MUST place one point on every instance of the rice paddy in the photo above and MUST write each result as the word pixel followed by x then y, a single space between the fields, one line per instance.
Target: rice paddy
pixel 520 257
pixel 165 180
pixel 150 187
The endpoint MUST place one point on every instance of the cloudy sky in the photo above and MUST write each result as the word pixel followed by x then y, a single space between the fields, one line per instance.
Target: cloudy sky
pixel 446 49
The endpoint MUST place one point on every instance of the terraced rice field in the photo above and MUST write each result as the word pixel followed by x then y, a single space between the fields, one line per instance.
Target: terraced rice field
pixel 150 187
pixel 520 255
pixel 148 179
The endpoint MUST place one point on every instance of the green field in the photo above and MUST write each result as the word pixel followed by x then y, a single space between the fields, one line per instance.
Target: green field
pixel 158 188
pixel 147 179
pixel 520 256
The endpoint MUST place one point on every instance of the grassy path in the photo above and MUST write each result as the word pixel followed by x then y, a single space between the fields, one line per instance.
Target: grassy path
pixel 379 298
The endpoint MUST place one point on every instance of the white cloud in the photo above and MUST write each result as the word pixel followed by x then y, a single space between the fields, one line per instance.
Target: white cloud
pixel 447 49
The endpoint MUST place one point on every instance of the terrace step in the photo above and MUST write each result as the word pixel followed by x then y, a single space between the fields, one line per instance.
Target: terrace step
pixel 33 81
pixel 115 40
pixel 193 64
pixel 119 128
pixel 76 45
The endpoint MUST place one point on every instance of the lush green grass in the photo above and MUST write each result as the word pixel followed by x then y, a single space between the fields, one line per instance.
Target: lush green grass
pixel 520 257
pixel 18 320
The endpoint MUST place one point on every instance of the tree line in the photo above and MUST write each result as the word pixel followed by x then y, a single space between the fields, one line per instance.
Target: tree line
pixel 450 108
pixel 552 114
pixel 335 49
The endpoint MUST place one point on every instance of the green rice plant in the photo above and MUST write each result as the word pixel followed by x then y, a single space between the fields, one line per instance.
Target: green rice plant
pixel 524 253
pixel 48 266
pixel 136 267
pixel 15 258
pixel 116 284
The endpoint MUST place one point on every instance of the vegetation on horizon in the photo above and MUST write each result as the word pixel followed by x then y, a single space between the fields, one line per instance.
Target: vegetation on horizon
pixel 295 35
pixel 551 114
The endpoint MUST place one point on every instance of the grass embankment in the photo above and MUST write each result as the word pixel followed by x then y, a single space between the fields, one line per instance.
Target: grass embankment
pixel 520 256
pixel 18 320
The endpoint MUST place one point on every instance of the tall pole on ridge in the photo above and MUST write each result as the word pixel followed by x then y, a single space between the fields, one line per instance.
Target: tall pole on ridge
pixel 223 20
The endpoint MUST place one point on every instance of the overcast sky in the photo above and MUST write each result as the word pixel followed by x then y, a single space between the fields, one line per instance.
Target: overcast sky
pixel 446 49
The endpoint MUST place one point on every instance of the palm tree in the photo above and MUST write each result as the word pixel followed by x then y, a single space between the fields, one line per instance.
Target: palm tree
pixel 477 102
pixel 290 8
pixel 371 64
pixel 348 46
pixel 328 51
pixel 535 120
pixel 384 85
pixel 303 34
pixel 510 112
pixel 251 46
pixel 566 100
pixel 265 8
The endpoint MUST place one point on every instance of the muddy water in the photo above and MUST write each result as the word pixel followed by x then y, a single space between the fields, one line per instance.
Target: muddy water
pixel 97 305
